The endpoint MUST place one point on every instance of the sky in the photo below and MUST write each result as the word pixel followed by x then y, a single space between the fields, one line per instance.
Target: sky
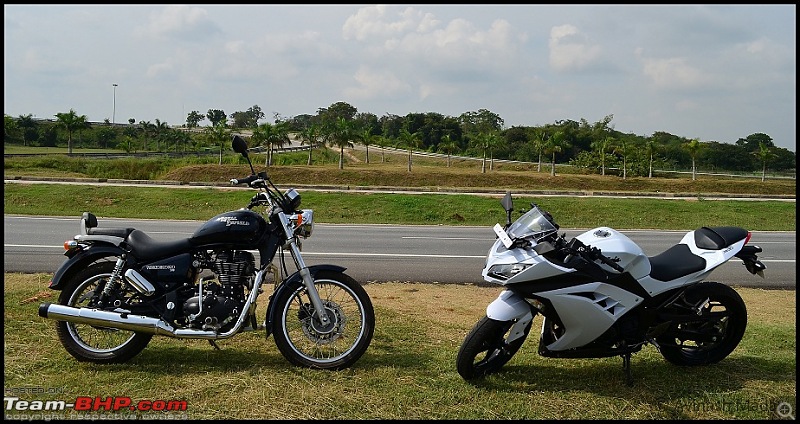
pixel 713 72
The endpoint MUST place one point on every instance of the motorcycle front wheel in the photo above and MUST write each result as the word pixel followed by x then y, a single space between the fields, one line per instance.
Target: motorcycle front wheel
pixel 485 349
pixel 305 341
pixel 717 330
pixel 89 343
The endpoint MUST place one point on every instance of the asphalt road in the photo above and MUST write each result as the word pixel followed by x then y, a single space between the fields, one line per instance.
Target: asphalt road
pixel 429 254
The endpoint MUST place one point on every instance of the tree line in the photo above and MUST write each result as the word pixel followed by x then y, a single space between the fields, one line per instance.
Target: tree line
pixel 595 147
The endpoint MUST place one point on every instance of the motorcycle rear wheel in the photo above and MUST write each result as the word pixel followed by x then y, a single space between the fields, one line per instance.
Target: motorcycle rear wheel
pixel 485 349
pixel 706 341
pixel 304 341
pixel 89 343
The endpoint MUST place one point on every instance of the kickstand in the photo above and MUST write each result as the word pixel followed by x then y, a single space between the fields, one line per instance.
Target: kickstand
pixel 626 365
pixel 213 343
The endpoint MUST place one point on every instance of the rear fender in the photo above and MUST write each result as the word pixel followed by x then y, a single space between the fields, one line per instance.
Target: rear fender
pixel 749 256
pixel 80 261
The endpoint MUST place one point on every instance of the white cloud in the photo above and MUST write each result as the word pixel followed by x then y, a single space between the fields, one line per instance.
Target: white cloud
pixel 673 73
pixel 570 50
pixel 181 22
pixel 371 84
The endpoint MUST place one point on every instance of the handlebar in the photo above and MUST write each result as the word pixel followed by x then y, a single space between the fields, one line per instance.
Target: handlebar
pixel 246 180
pixel 576 247
pixel 610 262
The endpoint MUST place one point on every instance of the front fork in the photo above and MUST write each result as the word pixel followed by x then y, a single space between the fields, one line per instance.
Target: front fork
pixel 308 279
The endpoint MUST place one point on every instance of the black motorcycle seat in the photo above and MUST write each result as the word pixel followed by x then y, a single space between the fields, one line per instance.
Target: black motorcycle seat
pixel 675 262
pixel 145 248
pixel 717 238
pixel 116 232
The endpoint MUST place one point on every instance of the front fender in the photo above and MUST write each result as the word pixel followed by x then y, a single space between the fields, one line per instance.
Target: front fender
pixel 81 260
pixel 289 282
pixel 508 306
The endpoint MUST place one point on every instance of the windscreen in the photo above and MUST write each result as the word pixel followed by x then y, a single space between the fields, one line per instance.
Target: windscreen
pixel 532 224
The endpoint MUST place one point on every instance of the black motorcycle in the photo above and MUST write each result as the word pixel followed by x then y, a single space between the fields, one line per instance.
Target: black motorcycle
pixel 119 287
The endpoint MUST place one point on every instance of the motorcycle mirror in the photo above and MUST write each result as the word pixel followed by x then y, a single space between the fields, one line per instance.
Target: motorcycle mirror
pixel 239 145
pixel 508 205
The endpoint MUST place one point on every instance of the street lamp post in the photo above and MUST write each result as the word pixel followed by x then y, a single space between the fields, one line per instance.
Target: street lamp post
pixel 114 110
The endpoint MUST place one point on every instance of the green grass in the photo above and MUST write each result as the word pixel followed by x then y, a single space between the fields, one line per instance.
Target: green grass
pixel 408 372
pixel 388 208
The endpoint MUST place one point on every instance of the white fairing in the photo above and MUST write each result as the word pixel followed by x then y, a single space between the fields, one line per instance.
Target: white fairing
pixel 538 266
pixel 592 309
pixel 616 245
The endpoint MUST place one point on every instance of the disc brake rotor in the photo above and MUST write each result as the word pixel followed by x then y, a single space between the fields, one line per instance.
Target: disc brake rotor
pixel 321 333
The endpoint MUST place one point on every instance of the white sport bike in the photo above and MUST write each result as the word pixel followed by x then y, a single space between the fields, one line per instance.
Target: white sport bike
pixel 601 296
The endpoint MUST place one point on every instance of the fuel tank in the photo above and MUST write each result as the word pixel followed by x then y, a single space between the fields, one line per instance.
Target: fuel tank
pixel 616 245
pixel 240 228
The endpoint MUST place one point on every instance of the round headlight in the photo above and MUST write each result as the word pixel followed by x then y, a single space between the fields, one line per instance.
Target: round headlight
pixel 303 222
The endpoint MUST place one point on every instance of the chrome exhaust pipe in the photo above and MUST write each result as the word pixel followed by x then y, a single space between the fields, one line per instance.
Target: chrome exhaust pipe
pixel 125 321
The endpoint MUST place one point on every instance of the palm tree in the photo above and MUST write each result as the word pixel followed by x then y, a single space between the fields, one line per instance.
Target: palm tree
pixel 71 121
pixel 601 146
pixel 651 147
pixel 26 122
pixel 382 142
pixel 310 136
pixel 271 136
pixel 160 131
pixel 341 136
pixel 539 141
pixel 487 142
pixel 557 143
pixel 126 144
pixel 148 130
pixel 764 153
pixel 410 141
pixel 366 137
pixel 218 133
pixel 621 147
pixel 693 146
pixel 449 146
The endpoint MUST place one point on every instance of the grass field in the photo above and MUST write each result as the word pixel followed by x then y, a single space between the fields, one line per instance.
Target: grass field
pixel 409 370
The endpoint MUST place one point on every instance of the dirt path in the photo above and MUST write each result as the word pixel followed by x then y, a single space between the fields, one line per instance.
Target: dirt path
pixel 351 157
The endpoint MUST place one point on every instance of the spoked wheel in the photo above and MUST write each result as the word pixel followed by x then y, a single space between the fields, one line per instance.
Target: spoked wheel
pixel 306 341
pixel 717 330
pixel 89 343
pixel 485 349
